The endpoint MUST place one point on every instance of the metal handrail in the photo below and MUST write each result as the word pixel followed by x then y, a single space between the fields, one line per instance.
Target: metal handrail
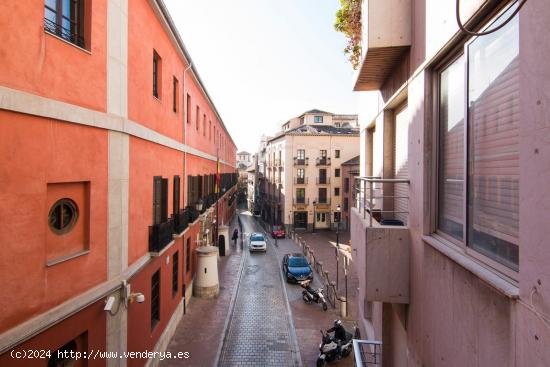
pixel 304 202
pixel 370 357
pixel 301 161
pixel 365 202
pixel 325 181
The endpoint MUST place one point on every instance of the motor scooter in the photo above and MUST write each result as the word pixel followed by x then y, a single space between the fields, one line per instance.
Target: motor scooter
pixel 328 349
pixel 310 294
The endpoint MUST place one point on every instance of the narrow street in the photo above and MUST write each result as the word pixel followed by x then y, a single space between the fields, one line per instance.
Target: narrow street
pixel 260 331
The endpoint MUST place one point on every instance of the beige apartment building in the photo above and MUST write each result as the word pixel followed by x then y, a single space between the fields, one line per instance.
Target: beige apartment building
pixel 303 169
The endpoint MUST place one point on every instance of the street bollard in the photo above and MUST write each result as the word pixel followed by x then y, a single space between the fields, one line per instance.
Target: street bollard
pixel 343 307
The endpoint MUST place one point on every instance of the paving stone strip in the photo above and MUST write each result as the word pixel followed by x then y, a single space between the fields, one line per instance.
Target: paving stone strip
pixel 260 331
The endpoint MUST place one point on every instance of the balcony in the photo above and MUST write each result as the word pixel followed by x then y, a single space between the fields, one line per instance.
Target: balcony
pixel 300 201
pixel 323 181
pixel 301 161
pixel 300 180
pixel 160 235
pixel 181 221
pixel 385 39
pixel 322 161
pixel 322 201
pixel 278 162
pixel 381 238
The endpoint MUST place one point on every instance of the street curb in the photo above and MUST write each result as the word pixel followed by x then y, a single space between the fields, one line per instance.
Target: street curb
pixel 225 331
pixel 293 336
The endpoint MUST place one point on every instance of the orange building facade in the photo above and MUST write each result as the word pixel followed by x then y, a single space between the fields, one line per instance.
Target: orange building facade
pixel 110 149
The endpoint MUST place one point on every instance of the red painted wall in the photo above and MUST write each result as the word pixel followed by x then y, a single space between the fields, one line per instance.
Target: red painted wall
pixel 91 321
pixel 146 161
pixel 35 152
pixel 146 34
pixel 37 62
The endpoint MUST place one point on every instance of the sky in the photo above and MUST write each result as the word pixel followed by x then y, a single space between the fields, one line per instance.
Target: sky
pixel 266 61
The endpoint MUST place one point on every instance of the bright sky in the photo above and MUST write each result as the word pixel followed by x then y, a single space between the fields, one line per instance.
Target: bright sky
pixel 266 61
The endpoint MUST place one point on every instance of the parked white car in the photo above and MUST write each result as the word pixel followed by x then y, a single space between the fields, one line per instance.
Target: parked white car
pixel 257 242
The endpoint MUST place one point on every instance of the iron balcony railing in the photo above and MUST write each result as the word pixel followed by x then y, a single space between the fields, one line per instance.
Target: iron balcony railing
pixel 367 353
pixel 66 34
pixel 300 180
pixel 181 221
pixel 323 180
pixel 192 213
pixel 277 162
pixel 301 161
pixel 160 235
pixel 376 197
pixel 322 201
pixel 300 201
pixel 323 161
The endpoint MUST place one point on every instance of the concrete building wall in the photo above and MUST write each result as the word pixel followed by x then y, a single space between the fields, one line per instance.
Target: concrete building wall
pixel 464 310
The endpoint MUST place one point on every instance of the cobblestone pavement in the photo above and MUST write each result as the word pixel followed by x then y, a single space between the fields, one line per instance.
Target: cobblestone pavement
pixel 201 328
pixel 260 331
pixel 309 319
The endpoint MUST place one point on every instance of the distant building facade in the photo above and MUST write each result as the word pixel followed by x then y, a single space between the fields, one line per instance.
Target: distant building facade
pixel 303 169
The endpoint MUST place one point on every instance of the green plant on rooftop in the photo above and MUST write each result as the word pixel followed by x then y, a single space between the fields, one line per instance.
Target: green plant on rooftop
pixel 348 21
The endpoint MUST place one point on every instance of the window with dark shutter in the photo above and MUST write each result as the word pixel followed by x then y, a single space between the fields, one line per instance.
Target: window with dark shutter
pixel 200 187
pixel 156 74
pixel 176 202
pixel 157 199
pixel 175 265
pixel 164 202
pixel 188 255
pixel 189 190
pixel 155 299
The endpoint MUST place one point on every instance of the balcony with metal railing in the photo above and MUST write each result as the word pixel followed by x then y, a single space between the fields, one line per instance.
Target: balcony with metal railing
pixel 323 181
pixel 300 180
pixel 322 161
pixel 301 161
pixel 380 235
pixel 322 201
pixel 300 201
pixel 160 235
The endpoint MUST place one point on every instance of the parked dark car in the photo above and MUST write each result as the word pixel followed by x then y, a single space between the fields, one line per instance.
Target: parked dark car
pixel 278 231
pixel 296 268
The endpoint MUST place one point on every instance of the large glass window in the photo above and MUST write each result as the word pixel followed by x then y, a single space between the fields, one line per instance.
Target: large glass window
pixel 451 150
pixel 300 196
pixel 493 144
pixel 488 204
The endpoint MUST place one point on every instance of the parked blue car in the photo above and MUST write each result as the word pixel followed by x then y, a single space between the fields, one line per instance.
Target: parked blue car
pixel 296 268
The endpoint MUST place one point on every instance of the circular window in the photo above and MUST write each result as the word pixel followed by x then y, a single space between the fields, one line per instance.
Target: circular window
pixel 63 216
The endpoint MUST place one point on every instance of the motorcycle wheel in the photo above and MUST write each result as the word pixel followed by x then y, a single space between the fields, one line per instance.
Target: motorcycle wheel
pixel 320 362
pixel 305 298
pixel 346 352
pixel 325 307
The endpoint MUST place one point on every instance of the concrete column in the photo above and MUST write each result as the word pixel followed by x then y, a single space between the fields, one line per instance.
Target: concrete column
pixel 117 104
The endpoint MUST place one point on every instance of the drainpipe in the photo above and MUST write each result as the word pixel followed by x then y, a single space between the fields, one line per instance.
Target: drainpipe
pixel 185 113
